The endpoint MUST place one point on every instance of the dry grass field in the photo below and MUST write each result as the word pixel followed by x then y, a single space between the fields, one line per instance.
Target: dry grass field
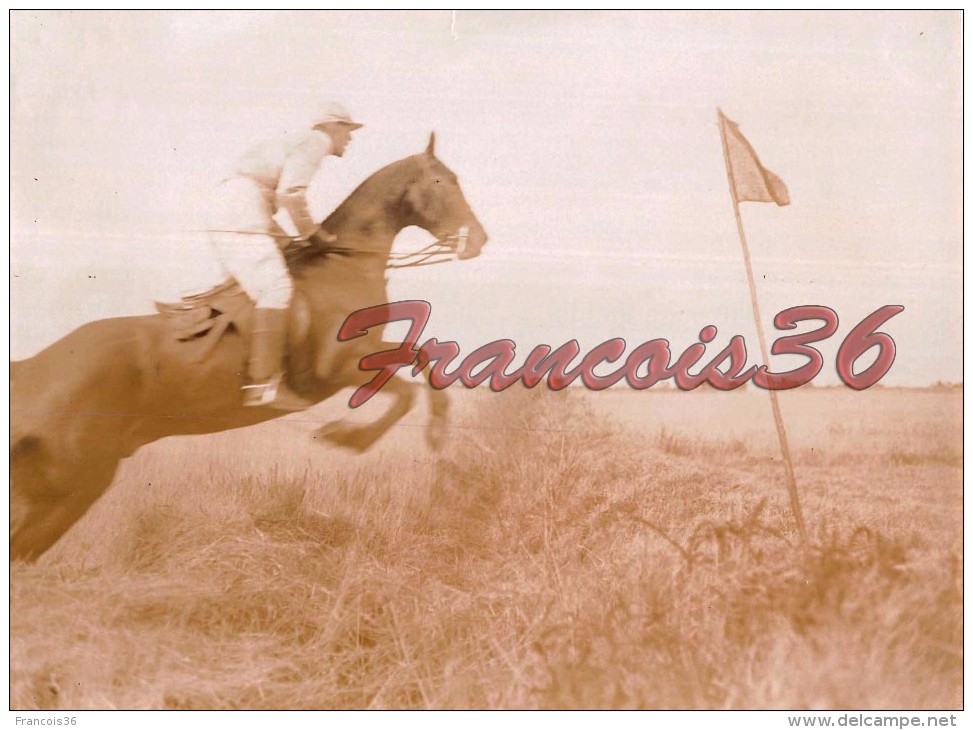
pixel 565 550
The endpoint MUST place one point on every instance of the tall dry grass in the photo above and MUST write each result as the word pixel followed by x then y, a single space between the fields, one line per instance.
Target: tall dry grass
pixel 549 558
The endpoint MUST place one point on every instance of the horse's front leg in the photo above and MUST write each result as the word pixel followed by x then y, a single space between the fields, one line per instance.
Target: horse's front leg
pixel 438 415
pixel 360 437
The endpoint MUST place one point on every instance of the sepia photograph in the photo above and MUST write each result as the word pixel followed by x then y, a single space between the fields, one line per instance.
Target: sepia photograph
pixel 486 360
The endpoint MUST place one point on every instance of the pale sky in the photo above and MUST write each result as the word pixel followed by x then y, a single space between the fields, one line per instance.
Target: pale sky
pixel 586 143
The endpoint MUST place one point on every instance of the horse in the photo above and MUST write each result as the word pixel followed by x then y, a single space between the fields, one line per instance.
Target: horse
pixel 114 385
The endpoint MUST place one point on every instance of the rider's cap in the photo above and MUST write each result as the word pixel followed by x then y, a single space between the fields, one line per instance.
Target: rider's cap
pixel 332 111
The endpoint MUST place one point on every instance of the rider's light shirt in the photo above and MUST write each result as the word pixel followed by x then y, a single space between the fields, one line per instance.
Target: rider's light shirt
pixel 288 162
pixel 286 166
pixel 260 204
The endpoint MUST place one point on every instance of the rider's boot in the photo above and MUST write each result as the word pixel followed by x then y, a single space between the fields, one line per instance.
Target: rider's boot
pixel 266 384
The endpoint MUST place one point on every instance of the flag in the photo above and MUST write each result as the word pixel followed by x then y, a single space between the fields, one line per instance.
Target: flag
pixel 751 181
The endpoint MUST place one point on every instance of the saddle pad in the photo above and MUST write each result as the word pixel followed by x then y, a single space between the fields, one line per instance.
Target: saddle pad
pixel 206 316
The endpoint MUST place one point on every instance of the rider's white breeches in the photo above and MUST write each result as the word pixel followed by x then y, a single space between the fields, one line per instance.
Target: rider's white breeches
pixel 243 243
pixel 254 260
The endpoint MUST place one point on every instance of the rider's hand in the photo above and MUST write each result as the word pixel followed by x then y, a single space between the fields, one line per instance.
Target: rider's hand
pixel 306 233
pixel 320 234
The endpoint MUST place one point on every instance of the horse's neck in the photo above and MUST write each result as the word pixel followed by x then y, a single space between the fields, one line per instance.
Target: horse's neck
pixel 366 224
pixel 362 249
pixel 369 237
pixel 372 216
pixel 368 221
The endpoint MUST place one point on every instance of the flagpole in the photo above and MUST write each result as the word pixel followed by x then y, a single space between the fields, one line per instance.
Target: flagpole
pixel 765 354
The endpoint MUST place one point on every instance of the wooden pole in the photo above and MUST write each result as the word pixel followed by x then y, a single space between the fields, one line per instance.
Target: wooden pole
pixel 764 353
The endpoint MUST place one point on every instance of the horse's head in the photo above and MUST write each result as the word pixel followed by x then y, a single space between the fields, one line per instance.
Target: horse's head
pixel 434 201
pixel 417 191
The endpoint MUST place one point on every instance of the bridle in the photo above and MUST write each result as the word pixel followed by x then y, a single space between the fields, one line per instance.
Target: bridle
pixel 445 249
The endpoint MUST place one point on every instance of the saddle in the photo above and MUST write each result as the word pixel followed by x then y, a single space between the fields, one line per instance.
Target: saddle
pixel 200 320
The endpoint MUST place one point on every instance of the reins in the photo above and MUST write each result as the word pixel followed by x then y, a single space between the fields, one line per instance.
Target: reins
pixel 438 252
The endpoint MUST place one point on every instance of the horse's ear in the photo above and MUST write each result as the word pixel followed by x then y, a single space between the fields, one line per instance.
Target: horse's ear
pixel 431 147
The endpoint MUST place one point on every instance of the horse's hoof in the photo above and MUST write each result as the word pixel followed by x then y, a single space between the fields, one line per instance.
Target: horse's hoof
pixel 338 434
pixel 436 436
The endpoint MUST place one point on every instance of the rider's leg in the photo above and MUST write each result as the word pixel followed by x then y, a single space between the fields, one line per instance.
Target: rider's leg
pixel 265 364
pixel 256 262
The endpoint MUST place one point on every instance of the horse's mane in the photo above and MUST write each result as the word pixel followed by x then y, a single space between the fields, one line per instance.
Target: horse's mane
pixel 378 185
pixel 381 189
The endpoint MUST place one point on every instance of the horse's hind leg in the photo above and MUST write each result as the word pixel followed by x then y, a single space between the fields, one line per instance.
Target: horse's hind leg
pixel 45 501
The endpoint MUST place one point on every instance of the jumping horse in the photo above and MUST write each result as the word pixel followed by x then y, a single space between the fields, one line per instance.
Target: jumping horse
pixel 111 386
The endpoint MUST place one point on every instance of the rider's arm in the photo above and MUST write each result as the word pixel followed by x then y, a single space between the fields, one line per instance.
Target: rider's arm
pixel 299 168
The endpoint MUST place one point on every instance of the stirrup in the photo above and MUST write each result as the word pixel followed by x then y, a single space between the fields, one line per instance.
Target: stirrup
pixel 274 393
pixel 261 394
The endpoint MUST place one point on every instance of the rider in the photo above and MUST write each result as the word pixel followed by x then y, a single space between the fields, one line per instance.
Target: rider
pixel 262 207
